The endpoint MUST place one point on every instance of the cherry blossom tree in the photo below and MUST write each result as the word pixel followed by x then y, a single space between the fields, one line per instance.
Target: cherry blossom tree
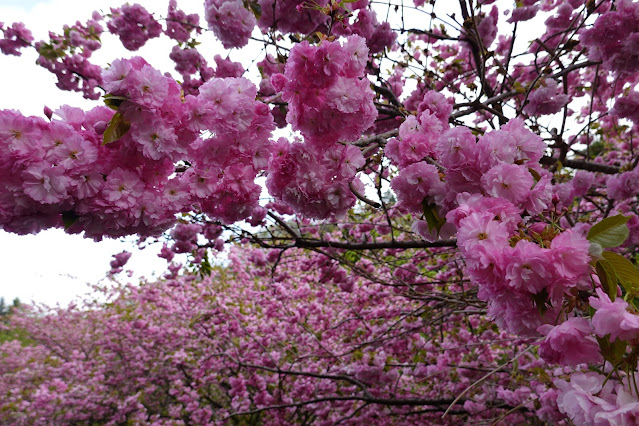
pixel 430 223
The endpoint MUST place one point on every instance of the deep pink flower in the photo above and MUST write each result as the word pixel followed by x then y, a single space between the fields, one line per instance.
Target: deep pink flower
pixel 119 260
pixel 16 37
pixel 230 21
pixel 134 25
pixel 623 185
pixel 547 99
pixel 613 318
pixel 122 188
pixel 529 146
pixel 457 146
pixel 570 254
pixel 479 229
pixel 569 343
pixel 416 182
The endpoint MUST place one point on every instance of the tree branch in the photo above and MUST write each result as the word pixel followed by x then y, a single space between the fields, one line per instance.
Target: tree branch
pixel 582 165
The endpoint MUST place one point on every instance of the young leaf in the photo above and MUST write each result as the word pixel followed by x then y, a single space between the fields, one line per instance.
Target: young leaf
pixel 432 217
pixel 612 351
pixel 610 232
pixel 625 270
pixel 534 174
pixel 541 302
pixel 352 256
pixel 256 8
pixel 113 102
pixel 205 267
pixel 68 218
pixel 117 128
pixel 608 278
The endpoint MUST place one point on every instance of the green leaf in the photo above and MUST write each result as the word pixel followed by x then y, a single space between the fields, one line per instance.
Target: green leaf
pixel 205 267
pixel 534 174
pixel 193 43
pixel 352 256
pixel 626 271
pixel 432 217
pixel 113 102
pixel 541 302
pixel 68 218
pixel 117 128
pixel 256 9
pixel 608 278
pixel 610 232
pixel 612 351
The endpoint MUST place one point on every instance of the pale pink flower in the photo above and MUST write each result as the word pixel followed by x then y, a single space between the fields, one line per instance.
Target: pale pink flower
pixel 625 412
pixel 122 188
pixel 45 184
pixel 508 181
pixel 527 267
pixel 577 398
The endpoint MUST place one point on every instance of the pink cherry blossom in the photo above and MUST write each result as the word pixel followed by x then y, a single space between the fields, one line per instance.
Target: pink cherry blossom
pixel 613 318
pixel 569 343
pixel 508 181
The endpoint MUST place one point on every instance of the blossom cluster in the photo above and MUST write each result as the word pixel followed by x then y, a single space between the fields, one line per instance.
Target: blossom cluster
pixel 67 56
pixel 256 337
pixel 470 108
pixel 546 99
pixel 15 37
pixel 226 164
pixel 614 37
pixel 292 16
pixel 134 25
pixel 112 174
pixel 230 21
pixel 179 25
pixel 483 189
pixel 589 398
pixel 313 181
pixel 379 36
pixel 190 61
pixel 328 100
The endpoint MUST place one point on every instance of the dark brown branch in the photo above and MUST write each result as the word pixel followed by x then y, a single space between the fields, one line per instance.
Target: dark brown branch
pixel 301 243
pixel 573 67
pixel 476 105
pixel 582 165
pixel 494 99
pixel 380 139
pixel 388 94
pixel 284 225
pixel 362 197
pixel 349 379
pixel 370 400
pixel 428 33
